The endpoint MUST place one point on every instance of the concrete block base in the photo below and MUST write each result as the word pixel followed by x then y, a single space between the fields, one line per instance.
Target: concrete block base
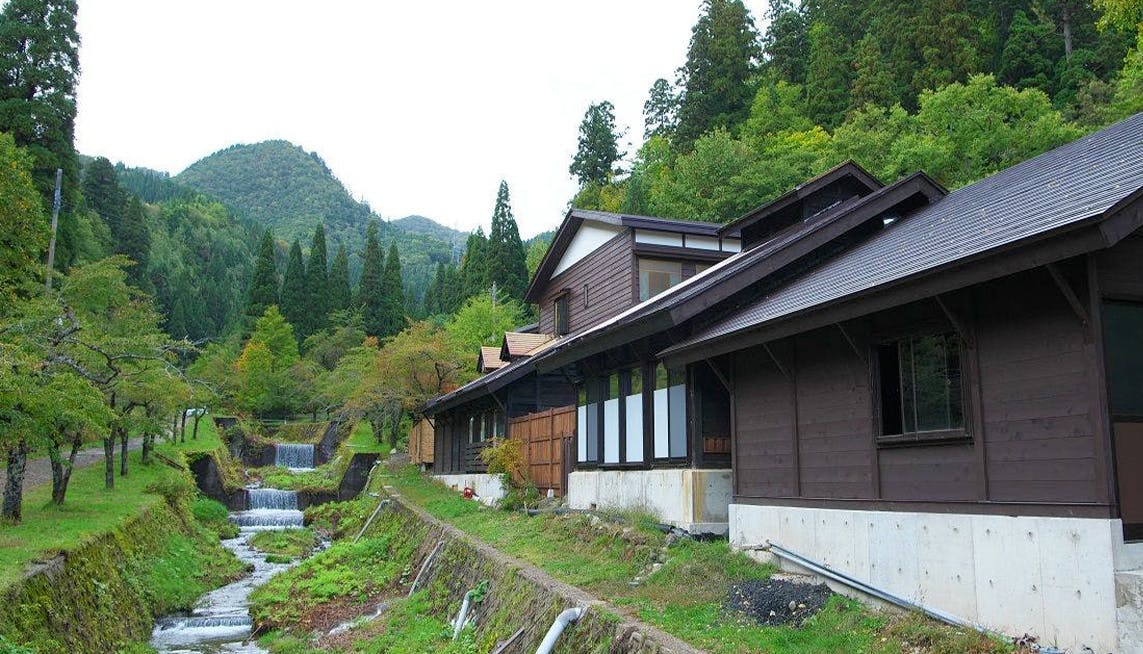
pixel 1050 577
pixel 694 500
pixel 489 488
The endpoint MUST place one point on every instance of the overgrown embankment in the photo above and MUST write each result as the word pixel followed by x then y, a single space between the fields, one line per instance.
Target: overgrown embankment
pixel 357 578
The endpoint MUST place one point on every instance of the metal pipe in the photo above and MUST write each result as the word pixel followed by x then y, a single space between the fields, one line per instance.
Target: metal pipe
pixel 562 621
pixel 425 566
pixel 841 577
pixel 460 617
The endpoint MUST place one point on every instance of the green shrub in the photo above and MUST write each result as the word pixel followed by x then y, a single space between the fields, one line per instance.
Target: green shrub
pixel 8 647
pixel 214 516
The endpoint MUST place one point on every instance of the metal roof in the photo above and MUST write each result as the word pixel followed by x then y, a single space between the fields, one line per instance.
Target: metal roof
pixel 1050 192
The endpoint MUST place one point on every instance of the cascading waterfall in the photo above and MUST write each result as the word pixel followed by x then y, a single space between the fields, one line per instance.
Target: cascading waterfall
pixel 295 456
pixel 221 620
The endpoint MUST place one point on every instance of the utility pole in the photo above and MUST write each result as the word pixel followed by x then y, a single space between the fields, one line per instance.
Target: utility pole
pixel 55 226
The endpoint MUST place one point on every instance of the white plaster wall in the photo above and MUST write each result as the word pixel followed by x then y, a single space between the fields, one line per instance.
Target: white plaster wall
pixel 588 238
pixel 695 500
pixel 489 488
pixel 1050 577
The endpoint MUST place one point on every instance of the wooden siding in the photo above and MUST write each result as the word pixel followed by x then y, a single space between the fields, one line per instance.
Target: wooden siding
pixel 421 442
pixel 544 438
pixel 1030 410
pixel 609 275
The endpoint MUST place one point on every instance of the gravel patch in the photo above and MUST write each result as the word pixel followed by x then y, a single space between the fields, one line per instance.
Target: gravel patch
pixel 777 601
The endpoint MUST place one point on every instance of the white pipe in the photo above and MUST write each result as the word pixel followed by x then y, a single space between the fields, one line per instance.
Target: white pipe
pixel 562 621
pixel 380 505
pixel 459 624
pixel 425 566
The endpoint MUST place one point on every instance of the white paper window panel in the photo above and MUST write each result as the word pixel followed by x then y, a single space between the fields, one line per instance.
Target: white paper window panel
pixel 661 433
pixel 702 242
pixel 635 428
pixel 581 432
pixel 611 431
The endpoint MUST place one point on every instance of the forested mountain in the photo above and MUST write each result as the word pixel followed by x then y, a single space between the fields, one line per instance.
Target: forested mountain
pixel 281 186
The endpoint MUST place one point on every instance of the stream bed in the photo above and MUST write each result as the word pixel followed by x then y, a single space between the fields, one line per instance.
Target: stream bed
pixel 220 621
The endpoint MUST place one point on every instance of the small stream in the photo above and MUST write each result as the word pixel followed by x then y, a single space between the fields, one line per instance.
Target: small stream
pixel 220 621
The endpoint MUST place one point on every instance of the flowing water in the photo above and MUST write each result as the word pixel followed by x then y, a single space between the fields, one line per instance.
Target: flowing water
pixel 220 621
pixel 295 456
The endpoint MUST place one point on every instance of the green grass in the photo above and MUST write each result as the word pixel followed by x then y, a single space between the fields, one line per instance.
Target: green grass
pixel 361 440
pixel 287 544
pixel 685 597
pixel 89 510
pixel 214 516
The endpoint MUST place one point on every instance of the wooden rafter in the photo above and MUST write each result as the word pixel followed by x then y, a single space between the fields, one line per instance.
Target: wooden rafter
pixel 1068 293
pixel 781 368
pixel 957 323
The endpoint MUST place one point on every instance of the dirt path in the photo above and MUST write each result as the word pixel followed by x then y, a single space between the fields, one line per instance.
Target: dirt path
pixel 40 470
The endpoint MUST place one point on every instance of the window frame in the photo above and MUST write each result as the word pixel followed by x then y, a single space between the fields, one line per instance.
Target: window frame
pixel 956 435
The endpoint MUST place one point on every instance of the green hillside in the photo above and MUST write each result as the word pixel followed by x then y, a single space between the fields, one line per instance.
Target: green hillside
pixel 280 185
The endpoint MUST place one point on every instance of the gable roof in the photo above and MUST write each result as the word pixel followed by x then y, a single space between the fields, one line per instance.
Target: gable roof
pixel 1087 179
pixel 520 344
pixel 576 217
pixel 489 359
pixel 847 168
pixel 731 276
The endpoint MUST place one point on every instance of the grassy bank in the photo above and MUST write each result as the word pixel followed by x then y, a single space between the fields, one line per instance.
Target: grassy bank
pixel 130 555
pixel 686 595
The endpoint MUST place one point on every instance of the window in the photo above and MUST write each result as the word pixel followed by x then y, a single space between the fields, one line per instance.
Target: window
pixel 921 392
pixel 670 400
pixel 561 314
pixel 587 422
pixel 633 415
pixel 656 276
pixel 473 429
pixel 586 296
pixel 611 420
pixel 1123 340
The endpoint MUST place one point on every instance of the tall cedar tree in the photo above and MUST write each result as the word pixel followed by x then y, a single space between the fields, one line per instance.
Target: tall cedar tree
pixel 264 286
pixel 787 41
pixel 661 110
pixel 827 76
pixel 317 285
pixel 393 294
pixel 294 295
pixel 371 292
pixel 25 227
pixel 339 291
pixel 598 149
pixel 717 79
pixel 102 193
pixel 474 266
pixel 135 241
pixel 39 65
pixel 507 262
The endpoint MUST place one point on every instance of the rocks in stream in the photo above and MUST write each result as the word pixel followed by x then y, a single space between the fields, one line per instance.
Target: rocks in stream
pixel 777 601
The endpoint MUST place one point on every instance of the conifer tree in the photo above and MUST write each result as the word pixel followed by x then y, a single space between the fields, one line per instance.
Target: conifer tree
pixel 135 242
pixel 317 285
pixel 716 80
pixel 598 147
pixel 339 290
pixel 264 285
pixel 39 66
pixel 661 110
pixel 370 293
pixel 873 81
pixel 102 193
pixel 507 262
pixel 474 277
pixel 393 293
pixel 827 76
pixel 1023 62
pixel 294 296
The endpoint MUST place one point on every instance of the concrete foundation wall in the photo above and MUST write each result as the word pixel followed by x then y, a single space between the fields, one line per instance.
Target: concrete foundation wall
pixel 1050 577
pixel 695 500
pixel 489 488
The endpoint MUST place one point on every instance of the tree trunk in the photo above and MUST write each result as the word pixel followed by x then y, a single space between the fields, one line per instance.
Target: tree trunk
pixel 56 462
pixel 182 419
pixel 148 445
pixel 194 432
pixel 109 461
pixel 394 428
pixel 122 452
pixel 14 483
pixel 60 492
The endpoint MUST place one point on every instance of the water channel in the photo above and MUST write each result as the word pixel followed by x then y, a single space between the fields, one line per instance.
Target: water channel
pixel 220 621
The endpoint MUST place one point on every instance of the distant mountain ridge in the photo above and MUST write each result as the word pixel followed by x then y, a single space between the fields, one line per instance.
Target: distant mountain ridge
pixel 282 186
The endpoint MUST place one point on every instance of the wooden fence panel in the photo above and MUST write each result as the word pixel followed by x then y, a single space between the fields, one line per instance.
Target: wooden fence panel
pixel 422 442
pixel 545 437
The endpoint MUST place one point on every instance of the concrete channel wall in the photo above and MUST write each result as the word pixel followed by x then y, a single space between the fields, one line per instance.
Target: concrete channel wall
pixel 519 595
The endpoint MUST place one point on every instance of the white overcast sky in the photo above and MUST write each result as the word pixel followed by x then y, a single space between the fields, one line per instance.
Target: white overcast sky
pixel 418 107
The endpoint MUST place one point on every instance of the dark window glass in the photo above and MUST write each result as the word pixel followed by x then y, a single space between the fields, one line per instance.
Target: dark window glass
pixel 636 381
pixel 561 309
pixel 1123 342
pixel 920 385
